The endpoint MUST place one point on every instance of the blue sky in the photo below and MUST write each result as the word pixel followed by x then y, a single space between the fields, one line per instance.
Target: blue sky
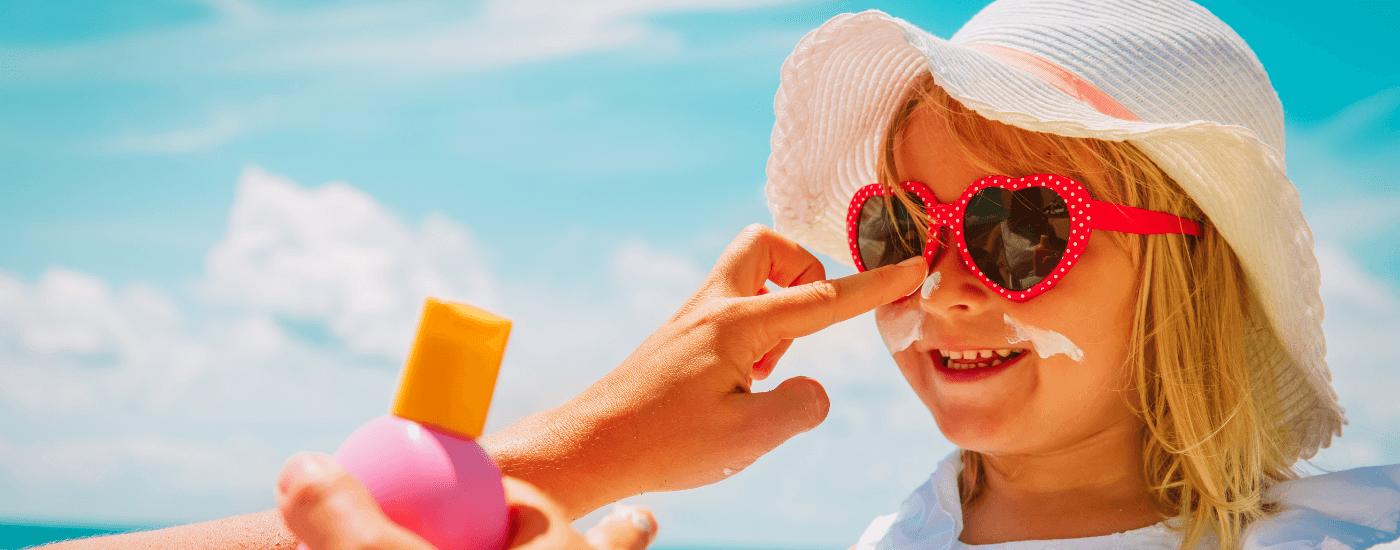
pixel 576 165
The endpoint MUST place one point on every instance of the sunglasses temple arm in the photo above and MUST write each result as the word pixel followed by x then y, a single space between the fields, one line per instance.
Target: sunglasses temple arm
pixel 1126 219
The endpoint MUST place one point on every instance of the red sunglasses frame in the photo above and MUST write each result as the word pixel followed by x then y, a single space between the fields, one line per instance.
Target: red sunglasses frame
pixel 1085 215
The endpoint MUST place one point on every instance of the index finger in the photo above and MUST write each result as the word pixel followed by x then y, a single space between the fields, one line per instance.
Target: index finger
pixel 804 309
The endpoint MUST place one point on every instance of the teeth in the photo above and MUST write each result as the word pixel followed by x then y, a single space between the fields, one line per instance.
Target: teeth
pixel 972 354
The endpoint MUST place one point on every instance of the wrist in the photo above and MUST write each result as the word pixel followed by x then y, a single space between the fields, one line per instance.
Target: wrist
pixel 565 452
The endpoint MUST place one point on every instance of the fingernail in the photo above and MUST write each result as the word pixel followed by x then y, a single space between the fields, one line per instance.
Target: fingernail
pixel 911 261
pixel 303 468
pixel 635 515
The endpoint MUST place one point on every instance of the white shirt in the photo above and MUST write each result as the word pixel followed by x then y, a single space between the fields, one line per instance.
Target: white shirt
pixel 1347 510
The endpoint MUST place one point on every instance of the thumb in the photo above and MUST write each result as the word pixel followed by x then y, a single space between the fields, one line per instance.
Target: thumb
pixel 328 509
pixel 627 528
pixel 795 406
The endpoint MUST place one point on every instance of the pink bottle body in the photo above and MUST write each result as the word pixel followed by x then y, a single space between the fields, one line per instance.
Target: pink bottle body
pixel 441 486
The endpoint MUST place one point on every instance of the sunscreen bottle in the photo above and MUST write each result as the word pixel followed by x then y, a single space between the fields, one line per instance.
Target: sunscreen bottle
pixel 421 462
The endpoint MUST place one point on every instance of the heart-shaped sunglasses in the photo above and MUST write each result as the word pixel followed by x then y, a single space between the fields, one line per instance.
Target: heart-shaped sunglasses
pixel 1018 235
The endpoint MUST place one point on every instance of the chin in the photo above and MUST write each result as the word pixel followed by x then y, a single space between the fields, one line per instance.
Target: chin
pixel 976 430
pixel 986 413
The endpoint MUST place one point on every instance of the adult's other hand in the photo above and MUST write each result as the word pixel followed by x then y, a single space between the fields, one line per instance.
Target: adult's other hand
pixel 328 509
pixel 679 413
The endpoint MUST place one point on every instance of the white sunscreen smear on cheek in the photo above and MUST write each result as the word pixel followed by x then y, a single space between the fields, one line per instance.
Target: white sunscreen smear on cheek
pixel 1046 342
pixel 930 284
pixel 900 325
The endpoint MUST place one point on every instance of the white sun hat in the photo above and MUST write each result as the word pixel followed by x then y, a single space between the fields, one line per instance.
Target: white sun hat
pixel 1167 76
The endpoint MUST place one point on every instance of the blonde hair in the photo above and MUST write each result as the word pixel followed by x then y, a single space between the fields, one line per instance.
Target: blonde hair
pixel 1212 443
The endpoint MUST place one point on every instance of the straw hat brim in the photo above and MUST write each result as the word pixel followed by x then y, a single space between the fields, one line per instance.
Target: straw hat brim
pixel 843 82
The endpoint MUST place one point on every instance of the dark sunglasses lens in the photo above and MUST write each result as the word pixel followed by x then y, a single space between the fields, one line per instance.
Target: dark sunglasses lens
pixel 887 233
pixel 1016 237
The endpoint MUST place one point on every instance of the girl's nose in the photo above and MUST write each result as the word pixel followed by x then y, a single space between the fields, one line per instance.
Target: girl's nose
pixel 952 288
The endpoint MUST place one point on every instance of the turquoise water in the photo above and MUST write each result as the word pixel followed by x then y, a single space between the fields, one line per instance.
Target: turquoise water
pixel 14 536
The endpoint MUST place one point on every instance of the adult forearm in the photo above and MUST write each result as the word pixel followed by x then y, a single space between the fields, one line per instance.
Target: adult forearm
pixel 567 455
pixel 257 531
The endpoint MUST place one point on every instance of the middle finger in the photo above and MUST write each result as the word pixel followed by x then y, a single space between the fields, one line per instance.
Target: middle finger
pixel 759 255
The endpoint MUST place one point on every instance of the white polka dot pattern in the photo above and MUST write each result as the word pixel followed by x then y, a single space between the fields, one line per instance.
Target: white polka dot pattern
pixel 953 216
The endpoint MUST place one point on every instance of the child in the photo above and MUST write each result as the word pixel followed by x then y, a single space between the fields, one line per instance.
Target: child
pixel 1149 389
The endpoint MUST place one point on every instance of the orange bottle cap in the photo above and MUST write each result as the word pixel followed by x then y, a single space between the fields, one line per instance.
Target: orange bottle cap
pixel 451 370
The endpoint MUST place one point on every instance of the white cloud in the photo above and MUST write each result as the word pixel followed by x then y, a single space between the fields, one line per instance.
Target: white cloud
pixel 121 390
pixel 656 283
pixel 1344 169
pixel 89 464
pixel 1347 287
pixel 135 477
pixel 235 11
pixel 396 38
pixel 1363 316
pixel 270 68
pixel 73 343
pixel 334 255
pixel 224 125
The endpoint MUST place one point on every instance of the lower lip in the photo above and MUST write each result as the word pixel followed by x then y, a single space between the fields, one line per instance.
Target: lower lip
pixel 971 375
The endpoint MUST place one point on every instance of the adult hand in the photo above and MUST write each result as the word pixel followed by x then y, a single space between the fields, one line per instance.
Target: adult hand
pixel 679 413
pixel 328 509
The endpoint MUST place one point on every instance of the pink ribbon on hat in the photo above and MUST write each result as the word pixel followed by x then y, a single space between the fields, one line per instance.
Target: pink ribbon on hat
pixel 1066 81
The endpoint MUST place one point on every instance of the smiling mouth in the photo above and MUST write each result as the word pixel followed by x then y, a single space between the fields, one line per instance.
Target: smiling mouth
pixel 978 358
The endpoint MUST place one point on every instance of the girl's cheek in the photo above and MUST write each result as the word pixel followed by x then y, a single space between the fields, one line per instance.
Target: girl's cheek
pixel 1046 342
pixel 901 324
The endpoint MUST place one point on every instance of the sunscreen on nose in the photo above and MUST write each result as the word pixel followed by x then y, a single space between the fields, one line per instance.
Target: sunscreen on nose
pixel 421 462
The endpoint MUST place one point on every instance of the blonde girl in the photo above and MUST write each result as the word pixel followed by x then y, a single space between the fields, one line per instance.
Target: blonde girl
pixel 1153 389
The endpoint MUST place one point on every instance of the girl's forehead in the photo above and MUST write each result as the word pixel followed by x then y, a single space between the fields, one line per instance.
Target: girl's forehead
pixel 947 157
pixel 927 152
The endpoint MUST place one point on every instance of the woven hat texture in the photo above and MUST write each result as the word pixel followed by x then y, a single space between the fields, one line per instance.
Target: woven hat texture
pixel 1184 88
